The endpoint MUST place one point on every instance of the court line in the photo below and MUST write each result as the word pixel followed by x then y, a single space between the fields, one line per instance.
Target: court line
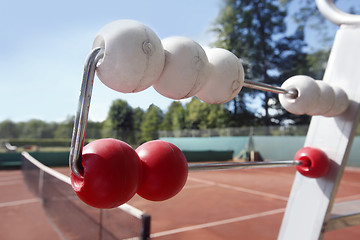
pixel 10 183
pixel 352 169
pixel 210 183
pixel 241 189
pixel 201 185
pixel 347 198
pixel 10 178
pixel 20 202
pixel 217 223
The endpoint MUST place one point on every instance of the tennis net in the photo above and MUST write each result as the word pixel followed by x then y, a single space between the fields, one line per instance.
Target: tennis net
pixel 71 218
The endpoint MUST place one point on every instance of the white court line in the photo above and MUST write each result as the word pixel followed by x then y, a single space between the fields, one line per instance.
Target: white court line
pixel 241 189
pixel 10 183
pixel 10 178
pixel 347 198
pixel 201 181
pixel 352 169
pixel 217 223
pixel 196 186
pixel 20 202
pixel 201 185
pixel 247 190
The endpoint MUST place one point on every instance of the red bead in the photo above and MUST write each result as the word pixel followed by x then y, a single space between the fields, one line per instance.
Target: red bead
pixel 110 175
pixel 164 168
pixel 314 162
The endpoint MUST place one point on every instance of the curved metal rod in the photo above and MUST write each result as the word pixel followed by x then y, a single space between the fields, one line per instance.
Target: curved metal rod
pixel 78 136
pixel 229 165
pixel 335 15
pixel 292 93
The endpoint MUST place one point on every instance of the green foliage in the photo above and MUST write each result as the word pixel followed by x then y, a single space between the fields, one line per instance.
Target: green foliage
pixel 45 142
pixel 64 129
pixel 150 125
pixel 317 63
pixel 93 130
pixel 218 116
pixel 38 129
pixel 138 115
pixel 358 130
pixel 310 18
pixel 45 133
pixel 255 31
pixel 200 115
pixel 194 114
pixel 8 129
pixel 174 118
pixel 119 122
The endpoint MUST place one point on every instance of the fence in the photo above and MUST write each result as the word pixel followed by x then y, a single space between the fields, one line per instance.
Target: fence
pixel 242 131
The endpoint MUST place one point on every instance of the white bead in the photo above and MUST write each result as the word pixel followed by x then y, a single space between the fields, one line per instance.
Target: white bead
pixel 326 100
pixel 186 68
pixel 226 77
pixel 308 95
pixel 134 57
pixel 341 102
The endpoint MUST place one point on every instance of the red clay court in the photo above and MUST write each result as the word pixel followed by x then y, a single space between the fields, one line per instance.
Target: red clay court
pixel 226 204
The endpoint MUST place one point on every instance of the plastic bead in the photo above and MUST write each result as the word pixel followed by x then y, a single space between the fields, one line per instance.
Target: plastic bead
pixel 308 95
pixel 226 77
pixel 134 57
pixel 326 100
pixel 315 163
pixel 341 103
pixel 165 170
pixel 111 174
pixel 186 68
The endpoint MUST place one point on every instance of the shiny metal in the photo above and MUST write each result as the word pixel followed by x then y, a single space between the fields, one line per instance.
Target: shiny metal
pixel 78 136
pixel 229 165
pixel 335 15
pixel 292 93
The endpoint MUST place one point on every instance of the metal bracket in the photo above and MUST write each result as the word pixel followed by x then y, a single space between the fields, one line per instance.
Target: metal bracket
pixel 78 136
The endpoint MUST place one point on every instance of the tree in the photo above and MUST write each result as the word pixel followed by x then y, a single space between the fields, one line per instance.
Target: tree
pixel 254 30
pixel 150 125
pixel 65 128
pixel 292 60
pixel 194 114
pixel 317 62
pixel 201 115
pixel 8 129
pixel 119 122
pixel 174 118
pixel 138 115
pixel 93 130
pixel 309 17
pixel 36 129
pixel 217 116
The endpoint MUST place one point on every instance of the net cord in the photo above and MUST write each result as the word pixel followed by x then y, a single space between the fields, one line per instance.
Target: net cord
pixel 125 207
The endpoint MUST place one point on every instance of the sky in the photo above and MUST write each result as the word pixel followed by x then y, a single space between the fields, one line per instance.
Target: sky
pixel 45 43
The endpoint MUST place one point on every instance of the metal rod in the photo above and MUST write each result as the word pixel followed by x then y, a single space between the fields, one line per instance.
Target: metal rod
pixel 80 121
pixel 78 136
pixel 292 93
pixel 229 165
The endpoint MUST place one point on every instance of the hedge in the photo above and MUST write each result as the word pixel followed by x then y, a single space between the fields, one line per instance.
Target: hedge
pixel 43 142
